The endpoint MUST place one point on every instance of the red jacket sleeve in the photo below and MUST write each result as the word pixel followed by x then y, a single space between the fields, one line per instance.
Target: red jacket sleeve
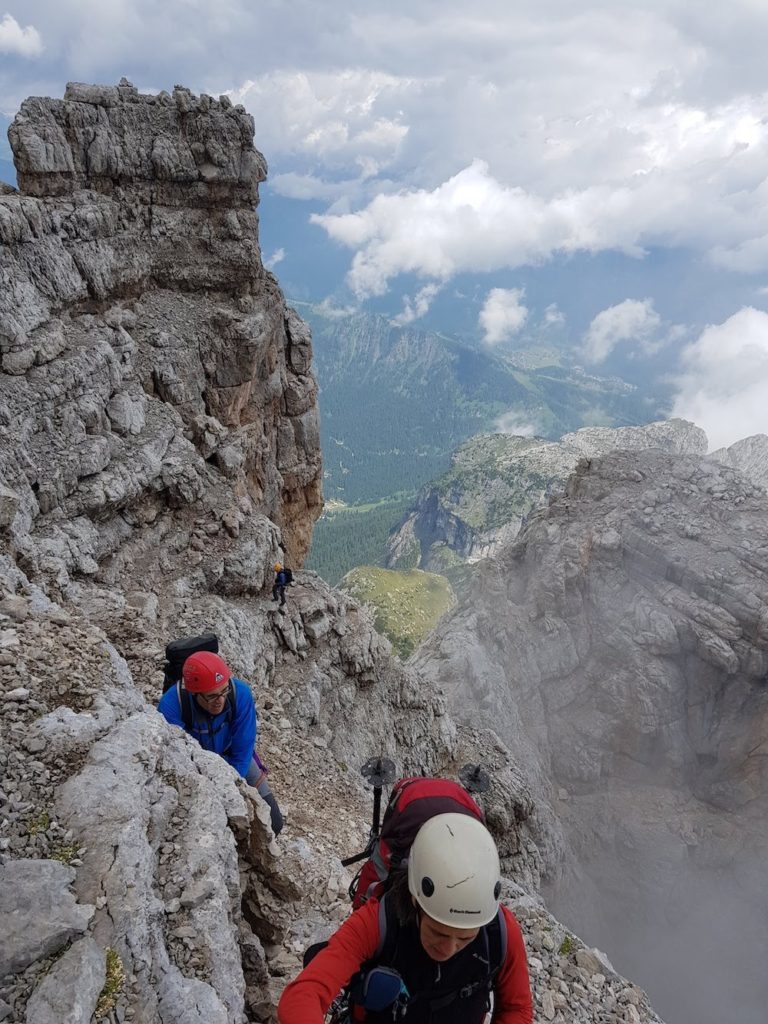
pixel 307 998
pixel 512 991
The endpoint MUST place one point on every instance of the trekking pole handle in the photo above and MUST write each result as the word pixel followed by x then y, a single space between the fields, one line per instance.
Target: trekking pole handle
pixel 474 778
pixel 378 771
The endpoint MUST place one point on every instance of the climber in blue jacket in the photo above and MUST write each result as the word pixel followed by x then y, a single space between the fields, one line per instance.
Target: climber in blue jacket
pixel 283 577
pixel 219 712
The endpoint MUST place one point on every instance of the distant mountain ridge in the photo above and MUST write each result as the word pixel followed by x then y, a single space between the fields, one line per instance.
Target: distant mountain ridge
pixel 496 481
pixel 396 401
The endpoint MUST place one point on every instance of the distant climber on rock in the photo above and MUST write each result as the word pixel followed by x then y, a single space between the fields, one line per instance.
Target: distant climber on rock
pixel 438 948
pixel 283 577
pixel 219 712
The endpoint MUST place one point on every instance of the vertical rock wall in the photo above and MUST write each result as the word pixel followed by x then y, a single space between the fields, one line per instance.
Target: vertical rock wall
pixel 149 361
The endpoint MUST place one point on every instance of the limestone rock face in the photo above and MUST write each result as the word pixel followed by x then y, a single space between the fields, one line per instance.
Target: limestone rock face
pixel 750 456
pixel 173 863
pixel 497 481
pixel 147 354
pixel 620 650
pixel 104 137
pixel 678 437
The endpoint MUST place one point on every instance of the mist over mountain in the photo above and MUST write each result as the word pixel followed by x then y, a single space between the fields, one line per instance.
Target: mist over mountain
pixel 620 648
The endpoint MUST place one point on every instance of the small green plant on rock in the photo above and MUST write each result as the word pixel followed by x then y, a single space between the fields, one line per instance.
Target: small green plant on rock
pixel 65 853
pixel 566 946
pixel 39 824
pixel 112 986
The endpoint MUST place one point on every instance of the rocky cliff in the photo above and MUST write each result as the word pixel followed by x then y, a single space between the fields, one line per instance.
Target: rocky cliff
pixel 750 456
pixel 147 354
pixel 158 449
pixel 620 648
pixel 496 481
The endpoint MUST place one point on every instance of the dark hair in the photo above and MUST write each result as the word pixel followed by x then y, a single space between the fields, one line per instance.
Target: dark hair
pixel 405 909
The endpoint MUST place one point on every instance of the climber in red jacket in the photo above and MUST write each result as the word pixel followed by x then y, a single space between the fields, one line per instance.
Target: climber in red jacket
pixel 438 943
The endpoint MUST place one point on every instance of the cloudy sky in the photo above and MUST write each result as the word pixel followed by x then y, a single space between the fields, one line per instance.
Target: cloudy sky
pixel 594 174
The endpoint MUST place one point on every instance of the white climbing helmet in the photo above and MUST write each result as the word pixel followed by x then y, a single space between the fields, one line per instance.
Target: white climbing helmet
pixel 453 871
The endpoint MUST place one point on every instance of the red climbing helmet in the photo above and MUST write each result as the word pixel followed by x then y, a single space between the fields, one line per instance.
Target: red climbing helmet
pixel 205 671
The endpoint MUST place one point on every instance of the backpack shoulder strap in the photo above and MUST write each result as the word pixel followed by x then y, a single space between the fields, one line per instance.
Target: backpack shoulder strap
pixel 185 704
pixel 497 942
pixel 388 930
pixel 232 700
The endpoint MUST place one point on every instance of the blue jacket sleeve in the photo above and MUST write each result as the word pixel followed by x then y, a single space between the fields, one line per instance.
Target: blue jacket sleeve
pixel 170 709
pixel 243 735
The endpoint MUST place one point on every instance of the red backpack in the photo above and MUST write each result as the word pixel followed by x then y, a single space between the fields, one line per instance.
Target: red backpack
pixel 413 801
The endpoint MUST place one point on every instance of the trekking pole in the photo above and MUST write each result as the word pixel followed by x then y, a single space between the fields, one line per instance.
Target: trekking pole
pixel 474 778
pixel 377 772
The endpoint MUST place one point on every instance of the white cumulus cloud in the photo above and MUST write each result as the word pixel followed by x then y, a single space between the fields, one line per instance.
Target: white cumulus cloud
pixel 414 309
pixel 723 387
pixel 669 175
pixel 632 320
pixel 26 41
pixel 329 117
pixel 469 223
pixel 503 314
pixel 486 138
pixel 475 223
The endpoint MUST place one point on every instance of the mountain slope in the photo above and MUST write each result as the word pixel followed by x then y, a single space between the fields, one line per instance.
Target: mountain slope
pixel 496 481
pixel 397 401
pixel 620 648
pixel 407 605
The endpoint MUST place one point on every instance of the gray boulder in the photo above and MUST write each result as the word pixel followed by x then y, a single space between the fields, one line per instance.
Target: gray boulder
pixel 38 911
pixel 70 990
